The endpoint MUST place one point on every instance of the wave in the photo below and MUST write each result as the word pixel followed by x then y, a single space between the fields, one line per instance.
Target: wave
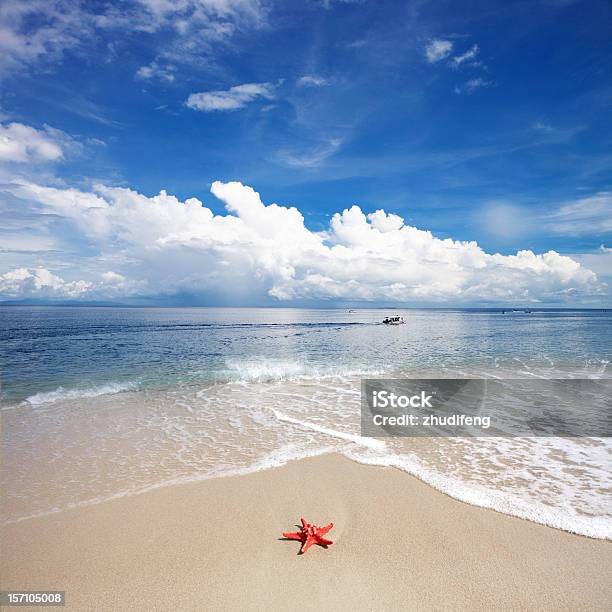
pixel 260 369
pixel 375 452
pixel 342 435
pixel 59 394
pixel 504 503
pixel 320 434
pixel 597 527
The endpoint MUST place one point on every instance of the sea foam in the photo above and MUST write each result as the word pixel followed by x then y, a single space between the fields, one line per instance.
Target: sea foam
pixel 61 393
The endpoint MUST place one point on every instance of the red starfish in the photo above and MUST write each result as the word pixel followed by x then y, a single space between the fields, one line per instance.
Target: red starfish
pixel 309 535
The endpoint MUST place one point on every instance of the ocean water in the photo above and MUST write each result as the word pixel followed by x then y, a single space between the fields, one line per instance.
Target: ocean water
pixel 104 402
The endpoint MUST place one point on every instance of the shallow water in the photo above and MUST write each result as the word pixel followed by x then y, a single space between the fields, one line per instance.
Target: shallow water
pixel 100 402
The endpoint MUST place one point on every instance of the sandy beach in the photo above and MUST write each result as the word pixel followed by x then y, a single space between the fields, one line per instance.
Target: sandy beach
pixel 398 544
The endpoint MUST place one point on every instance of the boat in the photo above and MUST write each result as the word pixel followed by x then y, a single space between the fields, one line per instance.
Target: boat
pixel 393 320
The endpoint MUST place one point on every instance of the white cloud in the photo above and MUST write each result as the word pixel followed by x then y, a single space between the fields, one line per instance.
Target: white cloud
pixel 590 215
pixel 38 30
pixel 543 126
pixel 311 158
pixel 39 282
pixel 506 222
pixel 437 49
pixel 255 250
pixel 311 81
pixel 329 3
pixel 24 144
pixel 25 242
pixel 469 56
pixel 600 261
pixel 231 99
pixel 202 10
pixel 472 85
pixel 32 30
pixel 157 71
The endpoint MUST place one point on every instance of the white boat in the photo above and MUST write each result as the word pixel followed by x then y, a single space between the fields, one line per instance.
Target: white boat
pixel 393 320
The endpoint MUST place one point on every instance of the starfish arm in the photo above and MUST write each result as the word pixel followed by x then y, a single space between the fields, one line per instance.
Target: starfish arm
pixel 307 544
pixel 304 522
pixel 296 535
pixel 323 541
pixel 324 530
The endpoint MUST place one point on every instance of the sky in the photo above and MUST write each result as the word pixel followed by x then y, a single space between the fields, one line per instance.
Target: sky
pixel 307 153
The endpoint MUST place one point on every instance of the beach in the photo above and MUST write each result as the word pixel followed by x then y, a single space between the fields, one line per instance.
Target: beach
pixel 306 305
pixel 216 544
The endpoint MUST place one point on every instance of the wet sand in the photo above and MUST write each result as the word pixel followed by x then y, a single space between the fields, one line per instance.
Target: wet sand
pixel 216 544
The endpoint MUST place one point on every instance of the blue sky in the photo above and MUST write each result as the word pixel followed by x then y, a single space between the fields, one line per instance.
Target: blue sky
pixel 478 121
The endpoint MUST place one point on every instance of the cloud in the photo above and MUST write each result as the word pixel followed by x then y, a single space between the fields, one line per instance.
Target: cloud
pixel 466 57
pixel 171 12
pixel 259 251
pixel 312 158
pixel 472 85
pixel 30 31
pixel 21 143
pixel 196 27
pixel 357 44
pixel 311 81
pixel 39 282
pixel 590 215
pixel 328 4
pixel 506 222
pixel 437 49
pixel 43 30
pixel 156 71
pixel 234 98
pixel 541 126
pixel 600 261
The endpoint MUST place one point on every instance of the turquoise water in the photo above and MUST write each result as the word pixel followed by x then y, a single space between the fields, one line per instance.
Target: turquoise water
pixel 104 402
pixel 44 349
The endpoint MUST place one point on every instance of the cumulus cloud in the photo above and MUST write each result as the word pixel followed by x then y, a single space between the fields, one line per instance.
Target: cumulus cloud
pixel 437 49
pixel 232 99
pixel 311 81
pixel 170 246
pixel 24 144
pixel 39 282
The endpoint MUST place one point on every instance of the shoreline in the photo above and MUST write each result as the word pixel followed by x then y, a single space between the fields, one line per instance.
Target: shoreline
pixel 216 543
pixel 431 479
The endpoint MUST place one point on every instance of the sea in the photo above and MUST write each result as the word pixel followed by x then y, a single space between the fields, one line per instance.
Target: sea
pixel 103 402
